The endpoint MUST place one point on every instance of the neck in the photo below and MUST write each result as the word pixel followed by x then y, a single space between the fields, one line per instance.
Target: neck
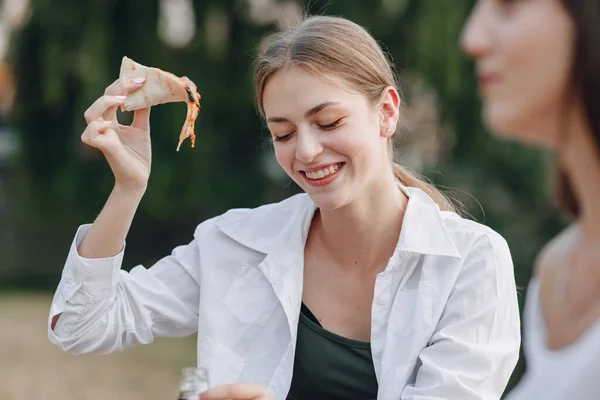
pixel 579 156
pixel 364 234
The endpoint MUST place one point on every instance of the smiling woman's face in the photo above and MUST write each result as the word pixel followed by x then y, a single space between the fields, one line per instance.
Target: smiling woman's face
pixel 523 50
pixel 327 137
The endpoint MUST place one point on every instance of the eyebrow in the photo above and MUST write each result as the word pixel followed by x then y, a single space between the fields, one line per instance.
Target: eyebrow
pixel 308 114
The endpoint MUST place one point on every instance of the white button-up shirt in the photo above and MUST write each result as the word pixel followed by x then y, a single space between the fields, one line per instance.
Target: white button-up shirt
pixel 445 319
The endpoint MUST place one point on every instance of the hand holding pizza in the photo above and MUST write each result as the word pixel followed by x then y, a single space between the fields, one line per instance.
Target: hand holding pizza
pixel 126 148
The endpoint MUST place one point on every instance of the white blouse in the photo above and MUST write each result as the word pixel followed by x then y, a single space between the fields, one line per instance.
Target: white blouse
pixel 572 372
pixel 445 319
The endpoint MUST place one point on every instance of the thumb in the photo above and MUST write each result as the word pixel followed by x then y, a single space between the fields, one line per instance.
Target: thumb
pixel 141 119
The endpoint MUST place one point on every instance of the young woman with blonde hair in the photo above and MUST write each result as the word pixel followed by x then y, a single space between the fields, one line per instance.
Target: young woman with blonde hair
pixel 366 286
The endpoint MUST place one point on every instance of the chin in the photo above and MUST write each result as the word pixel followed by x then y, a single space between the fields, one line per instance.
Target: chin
pixel 507 124
pixel 328 201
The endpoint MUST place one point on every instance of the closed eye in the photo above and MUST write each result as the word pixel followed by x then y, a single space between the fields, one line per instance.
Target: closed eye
pixel 333 125
pixel 282 138
pixel 326 127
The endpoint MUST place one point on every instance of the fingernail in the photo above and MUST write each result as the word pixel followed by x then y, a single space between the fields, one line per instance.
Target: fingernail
pixel 120 97
pixel 108 122
pixel 139 81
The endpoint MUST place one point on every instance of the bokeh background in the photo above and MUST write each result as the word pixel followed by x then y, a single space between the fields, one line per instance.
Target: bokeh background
pixel 56 58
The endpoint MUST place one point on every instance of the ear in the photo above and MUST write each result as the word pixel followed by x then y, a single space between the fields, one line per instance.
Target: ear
pixel 389 111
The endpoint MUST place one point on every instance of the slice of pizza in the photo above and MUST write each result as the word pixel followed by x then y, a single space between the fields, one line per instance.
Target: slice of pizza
pixel 161 87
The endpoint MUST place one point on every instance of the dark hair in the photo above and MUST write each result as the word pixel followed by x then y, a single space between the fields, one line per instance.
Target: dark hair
pixel 586 82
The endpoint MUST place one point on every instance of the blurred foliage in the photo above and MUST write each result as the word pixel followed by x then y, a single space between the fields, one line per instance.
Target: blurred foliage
pixel 67 54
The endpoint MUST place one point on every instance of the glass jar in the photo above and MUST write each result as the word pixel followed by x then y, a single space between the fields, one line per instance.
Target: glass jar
pixel 193 382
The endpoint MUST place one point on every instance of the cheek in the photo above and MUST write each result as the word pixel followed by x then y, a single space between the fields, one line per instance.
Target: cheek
pixel 356 139
pixel 539 74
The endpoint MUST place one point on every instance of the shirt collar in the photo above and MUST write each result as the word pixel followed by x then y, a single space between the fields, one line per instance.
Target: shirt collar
pixel 424 230
pixel 264 228
pixel 270 226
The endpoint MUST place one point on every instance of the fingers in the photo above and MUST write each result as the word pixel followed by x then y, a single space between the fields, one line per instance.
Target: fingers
pixel 141 119
pixel 123 88
pixel 105 108
pixel 101 135
pixel 120 89
pixel 237 392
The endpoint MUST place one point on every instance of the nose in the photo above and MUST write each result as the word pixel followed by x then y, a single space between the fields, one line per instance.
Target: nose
pixel 475 36
pixel 308 145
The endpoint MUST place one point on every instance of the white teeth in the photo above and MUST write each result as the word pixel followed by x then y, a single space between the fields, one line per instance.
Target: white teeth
pixel 322 173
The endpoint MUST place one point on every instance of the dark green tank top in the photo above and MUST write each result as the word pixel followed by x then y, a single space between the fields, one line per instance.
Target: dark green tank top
pixel 329 366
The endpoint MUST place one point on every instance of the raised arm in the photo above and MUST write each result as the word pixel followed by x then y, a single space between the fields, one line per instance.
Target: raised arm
pixel 97 307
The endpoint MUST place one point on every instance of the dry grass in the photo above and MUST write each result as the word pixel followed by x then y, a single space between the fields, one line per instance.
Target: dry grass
pixel 32 368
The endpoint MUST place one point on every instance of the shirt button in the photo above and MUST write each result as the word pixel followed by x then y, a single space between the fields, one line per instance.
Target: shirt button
pixel 382 299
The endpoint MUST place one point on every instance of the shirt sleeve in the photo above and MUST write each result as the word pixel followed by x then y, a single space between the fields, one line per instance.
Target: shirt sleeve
pixel 105 309
pixel 475 346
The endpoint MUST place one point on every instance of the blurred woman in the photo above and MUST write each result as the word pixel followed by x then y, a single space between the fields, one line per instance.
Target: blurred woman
pixel 366 286
pixel 538 64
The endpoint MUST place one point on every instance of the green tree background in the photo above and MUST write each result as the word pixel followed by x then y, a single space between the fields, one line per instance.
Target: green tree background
pixel 67 53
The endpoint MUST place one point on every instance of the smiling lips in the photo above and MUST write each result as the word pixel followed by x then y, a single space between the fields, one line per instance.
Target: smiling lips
pixel 486 80
pixel 322 176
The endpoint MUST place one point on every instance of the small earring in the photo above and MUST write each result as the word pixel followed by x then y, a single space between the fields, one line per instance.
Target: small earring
pixel 387 130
